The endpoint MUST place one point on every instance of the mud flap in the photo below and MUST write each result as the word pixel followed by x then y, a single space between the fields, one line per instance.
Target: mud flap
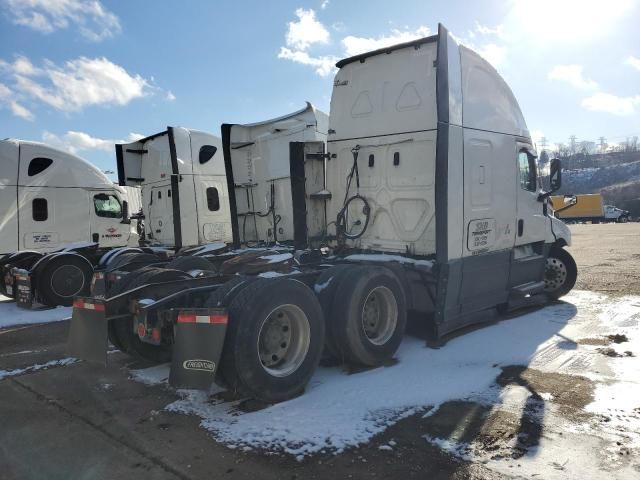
pixel 199 337
pixel 88 333
pixel 23 294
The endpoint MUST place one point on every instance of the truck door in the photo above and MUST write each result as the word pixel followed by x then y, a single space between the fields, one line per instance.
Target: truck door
pixel 160 219
pixel 106 219
pixel 530 219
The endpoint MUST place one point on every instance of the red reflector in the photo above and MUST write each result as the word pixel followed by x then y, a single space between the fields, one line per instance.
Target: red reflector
pixel 98 307
pixel 186 318
pixel 193 318
pixel 142 331
pixel 155 334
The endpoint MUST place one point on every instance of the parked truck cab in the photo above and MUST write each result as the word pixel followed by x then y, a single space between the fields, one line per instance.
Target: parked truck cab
pixel 181 174
pixel 51 198
pixel 434 158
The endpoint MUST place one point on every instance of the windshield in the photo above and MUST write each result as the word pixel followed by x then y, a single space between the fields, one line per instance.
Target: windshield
pixel 107 205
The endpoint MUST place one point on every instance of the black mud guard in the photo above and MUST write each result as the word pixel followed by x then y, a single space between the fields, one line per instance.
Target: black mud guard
pixel 88 339
pixel 198 339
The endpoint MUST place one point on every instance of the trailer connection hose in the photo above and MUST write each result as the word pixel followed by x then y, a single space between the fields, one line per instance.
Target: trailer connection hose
pixel 342 217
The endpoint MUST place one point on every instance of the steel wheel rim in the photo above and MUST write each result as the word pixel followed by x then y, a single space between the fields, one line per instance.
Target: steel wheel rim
pixel 68 274
pixel 555 274
pixel 379 315
pixel 283 340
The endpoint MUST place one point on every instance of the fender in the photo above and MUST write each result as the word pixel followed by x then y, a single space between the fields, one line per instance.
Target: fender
pixel 108 257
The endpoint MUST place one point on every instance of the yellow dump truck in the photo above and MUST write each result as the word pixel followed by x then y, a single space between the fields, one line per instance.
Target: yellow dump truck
pixel 588 207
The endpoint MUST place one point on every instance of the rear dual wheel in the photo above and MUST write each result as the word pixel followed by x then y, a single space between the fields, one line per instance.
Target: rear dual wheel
pixel 62 278
pixel 365 313
pixel 121 331
pixel 274 340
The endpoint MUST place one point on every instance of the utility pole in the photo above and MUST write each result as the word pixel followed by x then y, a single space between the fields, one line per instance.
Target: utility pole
pixel 603 144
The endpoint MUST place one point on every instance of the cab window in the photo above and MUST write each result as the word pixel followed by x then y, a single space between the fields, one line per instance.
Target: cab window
pixel 107 205
pixel 38 165
pixel 527 171
pixel 213 199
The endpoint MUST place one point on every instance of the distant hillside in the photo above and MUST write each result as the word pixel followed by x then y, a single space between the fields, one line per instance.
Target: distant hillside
pixel 619 184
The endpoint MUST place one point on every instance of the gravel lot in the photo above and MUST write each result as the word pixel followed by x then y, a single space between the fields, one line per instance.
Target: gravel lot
pixel 608 257
pixel 71 420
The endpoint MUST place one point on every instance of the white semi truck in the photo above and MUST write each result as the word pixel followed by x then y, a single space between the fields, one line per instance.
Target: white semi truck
pixel 52 198
pixel 430 205
pixel 62 197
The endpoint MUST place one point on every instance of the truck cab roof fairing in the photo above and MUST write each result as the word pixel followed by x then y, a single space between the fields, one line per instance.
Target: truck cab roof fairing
pixel 66 170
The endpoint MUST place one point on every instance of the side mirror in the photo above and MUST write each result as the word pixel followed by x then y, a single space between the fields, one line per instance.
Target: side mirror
pixel 555 179
pixel 555 175
pixel 125 212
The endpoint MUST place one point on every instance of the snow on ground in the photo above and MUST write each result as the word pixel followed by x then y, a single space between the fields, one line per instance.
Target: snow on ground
pixel 339 410
pixel 63 362
pixel 11 314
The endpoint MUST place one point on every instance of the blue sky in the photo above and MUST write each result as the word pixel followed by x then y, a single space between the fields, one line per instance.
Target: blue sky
pixel 81 74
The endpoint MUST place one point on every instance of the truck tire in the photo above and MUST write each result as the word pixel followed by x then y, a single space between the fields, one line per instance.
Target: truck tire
pixel 123 330
pixel 274 340
pixel 369 316
pixel 560 273
pixel 326 287
pixel 62 278
pixel 119 287
pixel 187 264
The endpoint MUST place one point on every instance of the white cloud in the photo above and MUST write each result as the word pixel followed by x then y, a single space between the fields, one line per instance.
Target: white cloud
pixel 572 74
pixel 170 96
pixel 324 65
pixel 356 45
pixel 45 16
pixel 498 30
pixel 324 4
pixel 75 142
pixel 20 111
pixel 633 61
pixel 608 103
pixel 306 31
pixel 77 83
pixel 7 100
pixel 5 92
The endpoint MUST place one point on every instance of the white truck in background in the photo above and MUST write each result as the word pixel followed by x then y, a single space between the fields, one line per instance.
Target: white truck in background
pixel 54 202
pixel 51 198
pixel 181 174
